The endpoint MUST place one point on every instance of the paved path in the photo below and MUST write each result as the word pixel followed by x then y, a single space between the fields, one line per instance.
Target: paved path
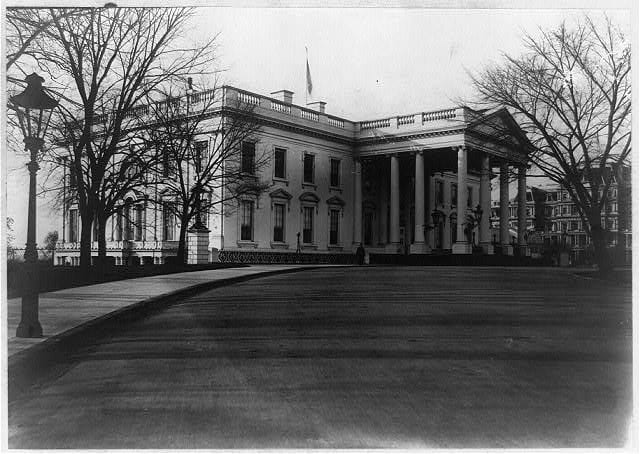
pixel 373 357
pixel 66 309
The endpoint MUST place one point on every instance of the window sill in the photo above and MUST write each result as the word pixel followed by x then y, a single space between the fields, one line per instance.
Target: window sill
pixel 334 247
pixel 279 245
pixel 247 244
pixel 336 189
pixel 280 180
pixel 309 186
pixel 311 247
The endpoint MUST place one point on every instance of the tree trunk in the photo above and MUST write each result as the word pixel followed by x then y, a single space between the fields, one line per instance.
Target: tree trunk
pixel 601 253
pixel 102 239
pixel 182 243
pixel 85 241
pixel 623 216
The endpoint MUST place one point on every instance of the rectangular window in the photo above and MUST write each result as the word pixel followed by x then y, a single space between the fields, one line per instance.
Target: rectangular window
pixel 168 222
pixel 334 223
pixel 168 164
pixel 335 173
pixel 117 227
pixel 246 228
pixel 139 222
pixel 280 163
pixel 307 227
pixel 248 157
pixel 454 194
pixel 308 168
pixel 278 222
pixel 439 192
pixel 469 197
pixel 73 226
pixel 200 155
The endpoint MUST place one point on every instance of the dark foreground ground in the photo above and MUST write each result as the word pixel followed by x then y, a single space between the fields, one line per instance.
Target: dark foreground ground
pixel 354 358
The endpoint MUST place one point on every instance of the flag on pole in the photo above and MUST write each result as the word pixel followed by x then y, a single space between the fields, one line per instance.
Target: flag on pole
pixel 309 83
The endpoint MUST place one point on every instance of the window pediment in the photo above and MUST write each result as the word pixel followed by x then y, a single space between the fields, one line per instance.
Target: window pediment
pixel 309 197
pixel 280 194
pixel 335 200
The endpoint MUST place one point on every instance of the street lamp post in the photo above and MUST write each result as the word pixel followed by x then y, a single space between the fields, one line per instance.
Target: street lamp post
pixel 33 107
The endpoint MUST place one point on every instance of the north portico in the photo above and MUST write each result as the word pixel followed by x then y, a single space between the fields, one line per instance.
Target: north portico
pixel 427 187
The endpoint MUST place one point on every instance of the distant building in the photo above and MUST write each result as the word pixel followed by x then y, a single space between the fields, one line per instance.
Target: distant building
pixel 535 218
pixel 406 184
pixel 554 221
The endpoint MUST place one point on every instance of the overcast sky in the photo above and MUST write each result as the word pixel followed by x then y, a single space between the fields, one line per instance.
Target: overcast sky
pixel 365 63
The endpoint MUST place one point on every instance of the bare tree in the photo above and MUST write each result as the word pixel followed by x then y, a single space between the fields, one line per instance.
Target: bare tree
pixel 110 59
pixel 204 163
pixel 571 93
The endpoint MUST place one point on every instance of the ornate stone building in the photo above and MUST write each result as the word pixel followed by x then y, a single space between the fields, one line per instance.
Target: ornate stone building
pixel 408 184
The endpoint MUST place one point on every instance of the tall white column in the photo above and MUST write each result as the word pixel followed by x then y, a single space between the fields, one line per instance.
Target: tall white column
pixel 522 211
pixel 485 204
pixel 419 246
pixel 357 201
pixel 428 207
pixel 505 240
pixel 382 218
pixel 461 246
pixel 394 214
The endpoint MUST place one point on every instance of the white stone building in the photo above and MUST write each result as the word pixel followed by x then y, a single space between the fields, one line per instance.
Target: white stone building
pixel 405 184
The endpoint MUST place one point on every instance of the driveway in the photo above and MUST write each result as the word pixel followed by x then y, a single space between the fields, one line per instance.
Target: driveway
pixel 365 357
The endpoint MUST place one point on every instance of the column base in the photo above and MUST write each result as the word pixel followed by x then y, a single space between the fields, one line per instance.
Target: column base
pixel 507 249
pixel 461 248
pixel 29 329
pixel 419 248
pixel 487 248
pixel 197 246
pixel 392 248
pixel 29 325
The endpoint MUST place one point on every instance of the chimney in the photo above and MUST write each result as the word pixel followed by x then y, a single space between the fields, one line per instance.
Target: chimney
pixel 285 96
pixel 317 105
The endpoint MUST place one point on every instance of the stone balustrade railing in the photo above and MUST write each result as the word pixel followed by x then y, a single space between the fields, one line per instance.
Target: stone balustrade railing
pixel 309 115
pixel 406 120
pixel 337 122
pixel 280 107
pixel 248 98
pixel 413 119
pixel 375 124
pixel 232 94
pixel 438 115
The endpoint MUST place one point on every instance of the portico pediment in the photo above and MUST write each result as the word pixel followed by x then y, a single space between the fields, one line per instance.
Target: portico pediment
pixel 498 127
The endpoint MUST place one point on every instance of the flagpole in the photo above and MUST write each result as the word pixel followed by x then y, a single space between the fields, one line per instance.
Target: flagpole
pixel 305 75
